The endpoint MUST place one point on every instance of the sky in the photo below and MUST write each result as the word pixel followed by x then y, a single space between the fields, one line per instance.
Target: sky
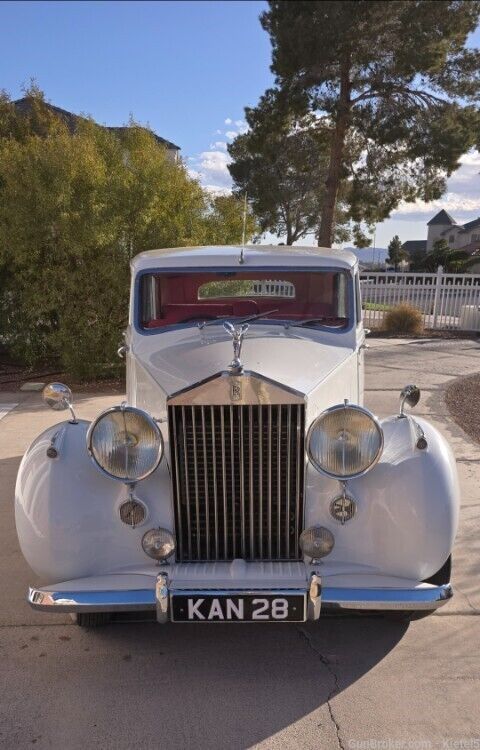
pixel 185 68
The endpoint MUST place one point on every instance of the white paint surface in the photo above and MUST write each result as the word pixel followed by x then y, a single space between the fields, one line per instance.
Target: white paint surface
pixel 5 408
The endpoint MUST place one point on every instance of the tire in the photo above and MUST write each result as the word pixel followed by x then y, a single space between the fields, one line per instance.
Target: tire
pixel 440 578
pixel 93 619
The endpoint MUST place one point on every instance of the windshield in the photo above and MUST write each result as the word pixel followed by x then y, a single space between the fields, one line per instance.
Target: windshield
pixel 189 298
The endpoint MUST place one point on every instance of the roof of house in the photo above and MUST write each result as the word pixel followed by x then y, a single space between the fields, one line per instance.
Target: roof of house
pixel 415 246
pixel 471 225
pixel 472 248
pixel 228 256
pixel 71 120
pixel 442 218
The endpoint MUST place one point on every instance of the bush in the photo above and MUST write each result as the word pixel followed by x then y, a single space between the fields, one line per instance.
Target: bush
pixel 74 209
pixel 404 319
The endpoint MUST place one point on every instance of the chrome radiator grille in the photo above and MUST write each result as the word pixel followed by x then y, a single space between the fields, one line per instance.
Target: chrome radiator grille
pixel 237 475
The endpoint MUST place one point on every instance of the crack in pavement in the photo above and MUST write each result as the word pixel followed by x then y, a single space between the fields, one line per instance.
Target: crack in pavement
pixel 474 609
pixel 336 688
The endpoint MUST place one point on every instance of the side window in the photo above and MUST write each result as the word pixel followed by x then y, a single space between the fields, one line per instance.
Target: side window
pixel 148 298
pixel 358 299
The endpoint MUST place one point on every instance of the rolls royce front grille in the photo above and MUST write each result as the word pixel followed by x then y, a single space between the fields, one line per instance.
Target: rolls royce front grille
pixel 237 475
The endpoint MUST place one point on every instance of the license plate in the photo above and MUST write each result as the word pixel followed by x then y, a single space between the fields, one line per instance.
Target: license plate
pixel 251 607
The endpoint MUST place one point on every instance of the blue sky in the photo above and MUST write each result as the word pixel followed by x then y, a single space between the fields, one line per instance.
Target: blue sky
pixel 186 68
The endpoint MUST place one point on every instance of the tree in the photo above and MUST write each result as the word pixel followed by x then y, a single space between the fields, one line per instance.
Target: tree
pixel 280 163
pixel 397 76
pixel 396 253
pixel 74 209
pixel 224 221
pixel 452 261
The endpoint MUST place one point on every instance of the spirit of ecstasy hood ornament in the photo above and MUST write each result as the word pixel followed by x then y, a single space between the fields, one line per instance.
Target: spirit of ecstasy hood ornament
pixel 237 333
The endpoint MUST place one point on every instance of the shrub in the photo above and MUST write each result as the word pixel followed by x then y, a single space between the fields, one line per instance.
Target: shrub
pixel 404 319
pixel 74 209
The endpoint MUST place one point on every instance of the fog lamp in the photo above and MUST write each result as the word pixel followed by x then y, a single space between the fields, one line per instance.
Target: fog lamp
pixel 158 543
pixel 316 542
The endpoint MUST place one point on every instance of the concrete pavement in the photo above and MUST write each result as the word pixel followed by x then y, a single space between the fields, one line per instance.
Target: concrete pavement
pixel 339 683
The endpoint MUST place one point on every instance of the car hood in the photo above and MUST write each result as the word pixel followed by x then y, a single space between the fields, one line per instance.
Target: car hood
pixel 298 359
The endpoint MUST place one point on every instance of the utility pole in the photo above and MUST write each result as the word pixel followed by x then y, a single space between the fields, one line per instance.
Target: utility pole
pixel 244 219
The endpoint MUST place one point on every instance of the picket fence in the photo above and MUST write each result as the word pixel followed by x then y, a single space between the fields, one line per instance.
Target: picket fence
pixel 446 300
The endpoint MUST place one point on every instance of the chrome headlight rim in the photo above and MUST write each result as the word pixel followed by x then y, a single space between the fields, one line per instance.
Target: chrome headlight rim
pixel 339 407
pixel 152 423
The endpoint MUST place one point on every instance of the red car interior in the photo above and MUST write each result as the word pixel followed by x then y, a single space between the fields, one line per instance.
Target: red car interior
pixel 177 297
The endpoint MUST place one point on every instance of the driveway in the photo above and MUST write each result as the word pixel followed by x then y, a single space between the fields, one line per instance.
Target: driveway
pixel 360 683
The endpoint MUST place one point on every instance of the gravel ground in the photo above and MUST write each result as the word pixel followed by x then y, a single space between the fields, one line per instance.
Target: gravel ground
pixel 463 401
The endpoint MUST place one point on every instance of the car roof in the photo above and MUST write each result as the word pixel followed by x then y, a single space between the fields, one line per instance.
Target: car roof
pixel 248 256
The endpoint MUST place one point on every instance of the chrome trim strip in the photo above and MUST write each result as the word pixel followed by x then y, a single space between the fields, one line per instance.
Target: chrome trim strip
pixel 195 475
pixel 177 483
pixel 232 459
pixel 251 520
pixel 205 479
pixel 428 598
pixel 279 480
pixel 215 492
pixel 224 486
pixel 187 488
pixel 260 481
pixel 298 487
pixel 242 483
pixel 287 492
pixel 269 481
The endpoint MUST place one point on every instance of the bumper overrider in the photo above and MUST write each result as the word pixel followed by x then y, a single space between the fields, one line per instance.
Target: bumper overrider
pixel 295 598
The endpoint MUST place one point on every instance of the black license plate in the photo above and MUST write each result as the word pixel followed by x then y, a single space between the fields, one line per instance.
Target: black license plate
pixel 251 607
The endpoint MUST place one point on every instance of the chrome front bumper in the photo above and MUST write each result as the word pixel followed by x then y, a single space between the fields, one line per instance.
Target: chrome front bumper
pixel 88 596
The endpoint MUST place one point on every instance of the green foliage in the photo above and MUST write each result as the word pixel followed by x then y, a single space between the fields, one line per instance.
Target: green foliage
pixel 452 261
pixel 396 253
pixel 224 220
pixel 404 318
pixel 395 77
pixel 281 162
pixel 74 209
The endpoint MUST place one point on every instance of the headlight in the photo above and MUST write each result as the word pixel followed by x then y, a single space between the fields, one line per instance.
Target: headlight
pixel 126 443
pixel 345 441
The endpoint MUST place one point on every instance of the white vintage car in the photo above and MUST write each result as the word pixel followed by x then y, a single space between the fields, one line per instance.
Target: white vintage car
pixel 243 479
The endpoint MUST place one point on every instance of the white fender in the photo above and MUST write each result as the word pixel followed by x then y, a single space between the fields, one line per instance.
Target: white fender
pixel 407 507
pixel 66 510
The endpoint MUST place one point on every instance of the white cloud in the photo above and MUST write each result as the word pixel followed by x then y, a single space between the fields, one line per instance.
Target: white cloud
pixel 210 167
pixel 462 199
pixel 218 146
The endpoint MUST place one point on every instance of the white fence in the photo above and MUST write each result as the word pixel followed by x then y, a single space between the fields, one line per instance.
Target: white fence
pixel 446 300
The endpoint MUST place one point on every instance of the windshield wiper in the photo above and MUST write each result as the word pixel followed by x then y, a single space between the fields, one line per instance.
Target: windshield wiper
pixel 324 319
pixel 250 319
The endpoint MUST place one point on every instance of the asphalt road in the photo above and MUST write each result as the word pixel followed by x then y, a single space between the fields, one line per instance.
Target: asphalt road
pixel 359 683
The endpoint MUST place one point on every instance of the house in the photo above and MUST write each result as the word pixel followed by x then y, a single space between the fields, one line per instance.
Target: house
pixel 71 120
pixel 444 227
